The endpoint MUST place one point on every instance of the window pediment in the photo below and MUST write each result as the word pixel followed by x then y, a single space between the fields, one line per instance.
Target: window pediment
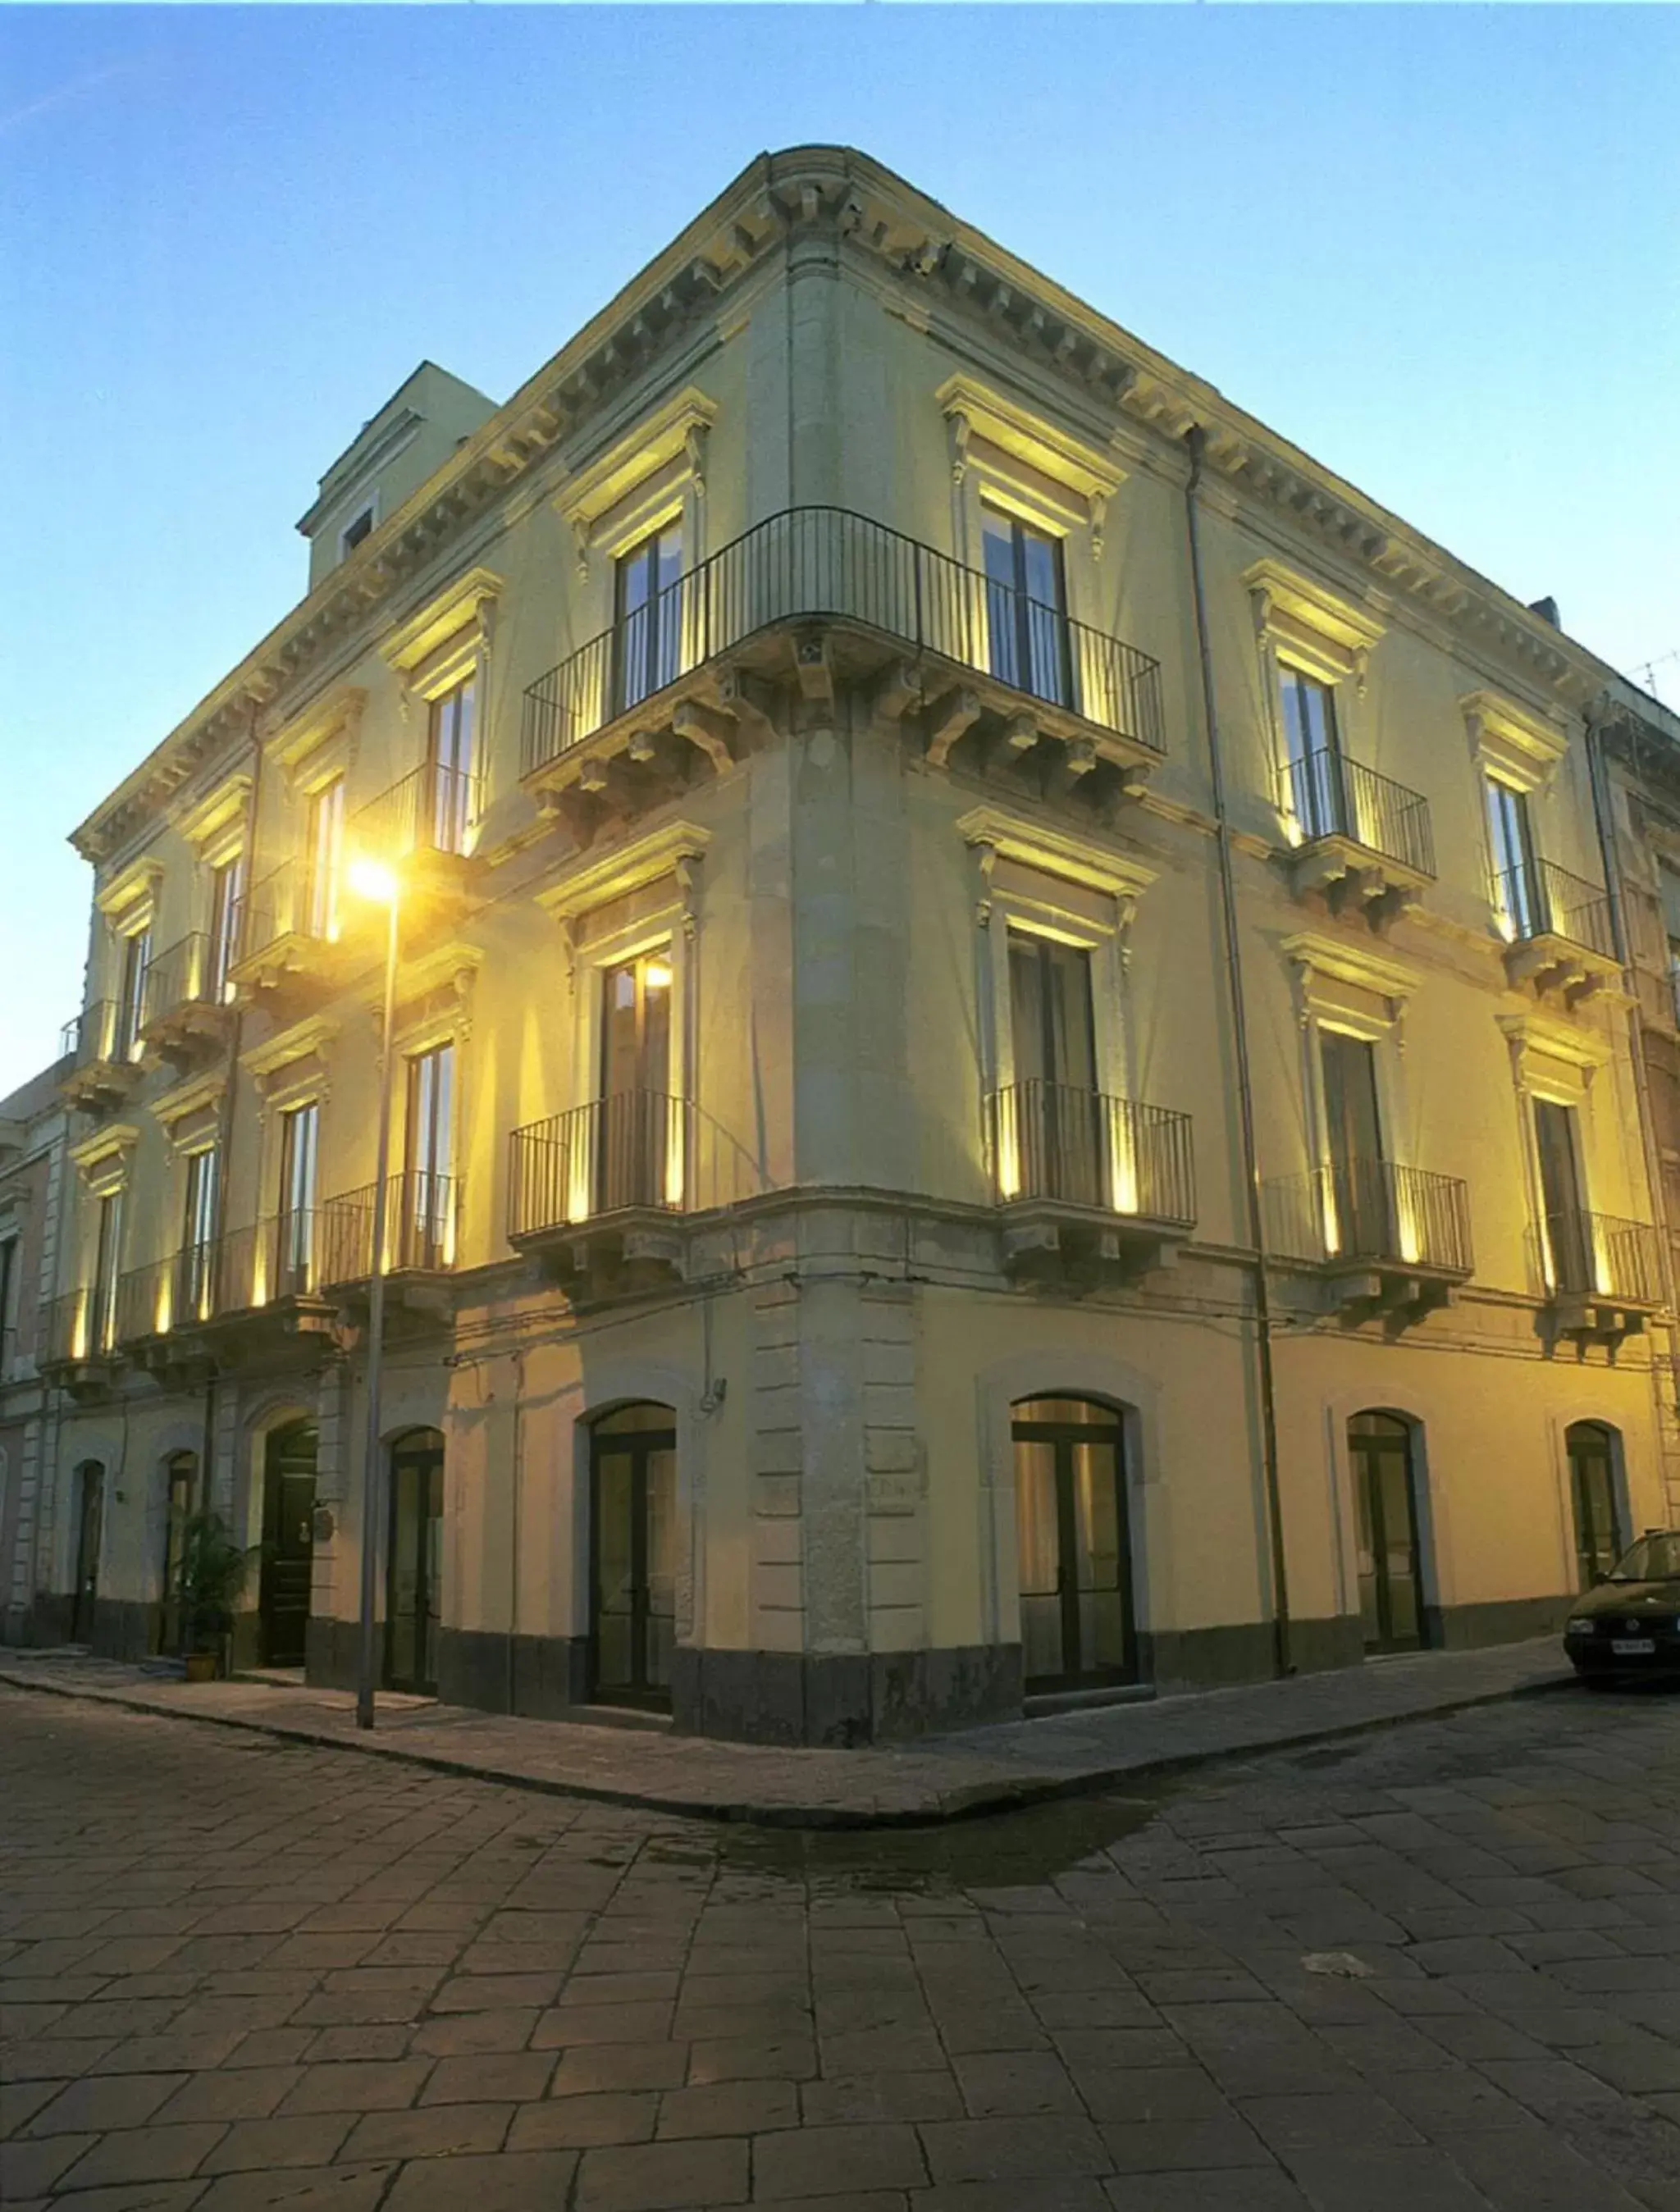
pixel 1510 742
pixel 975 410
pixel 671 441
pixel 670 851
pixel 993 830
pixel 189 1115
pixel 1307 623
pixel 102 1159
pixel 127 900
pixel 296 1058
pixel 1553 1057
pixel 218 811
pixel 459 617
pixel 1342 982
pixel 325 732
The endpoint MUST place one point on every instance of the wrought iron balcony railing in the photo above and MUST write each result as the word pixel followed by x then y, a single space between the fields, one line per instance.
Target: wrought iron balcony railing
pixel 90 1037
pixel 434 810
pixel 1372 1213
pixel 177 978
pixel 827 562
pixel 1542 900
pixel 636 1150
pixel 170 1295
pixel 1325 794
pixel 421 1219
pixel 1596 1256
pixel 1055 1141
pixel 292 900
pixel 80 1327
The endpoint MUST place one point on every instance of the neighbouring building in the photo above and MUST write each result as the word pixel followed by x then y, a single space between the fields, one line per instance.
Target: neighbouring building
pixel 34 1132
pixel 1012 1072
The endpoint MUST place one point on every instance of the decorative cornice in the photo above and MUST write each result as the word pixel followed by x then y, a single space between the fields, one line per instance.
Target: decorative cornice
pixel 939 271
pixel 225 803
pixel 668 851
pixel 458 606
pixel 1055 853
pixel 109 1145
pixel 136 884
pixel 314 1036
pixel 1347 963
pixel 1504 736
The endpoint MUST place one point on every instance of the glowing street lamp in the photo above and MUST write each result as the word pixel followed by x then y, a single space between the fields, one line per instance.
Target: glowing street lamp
pixel 374 881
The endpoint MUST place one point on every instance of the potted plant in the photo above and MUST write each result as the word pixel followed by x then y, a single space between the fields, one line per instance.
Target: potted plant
pixel 213 1572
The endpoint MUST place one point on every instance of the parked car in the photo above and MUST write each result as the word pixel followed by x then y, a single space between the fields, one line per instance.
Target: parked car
pixel 1629 1623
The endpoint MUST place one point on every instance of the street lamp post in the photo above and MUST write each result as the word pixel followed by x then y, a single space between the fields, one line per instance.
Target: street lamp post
pixel 378 884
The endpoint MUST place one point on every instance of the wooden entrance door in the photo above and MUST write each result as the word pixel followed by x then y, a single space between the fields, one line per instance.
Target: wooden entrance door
pixel 414 1574
pixel 632 1555
pixel 90 1530
pixel 1077 1623
pixel 1380 1446
pixel 289 1543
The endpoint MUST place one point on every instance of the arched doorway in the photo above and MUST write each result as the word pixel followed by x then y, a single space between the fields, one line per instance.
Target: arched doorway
pixel 1390 1596
pixel 89 1534
pixel 1077 1620
pixel 632 1555
pixel 1600 1538
pixel 181 1482
pixel 414 1563
pixel 289 1543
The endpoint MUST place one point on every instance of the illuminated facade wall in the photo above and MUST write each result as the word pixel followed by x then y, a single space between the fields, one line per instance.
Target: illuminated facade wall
pixel 787 715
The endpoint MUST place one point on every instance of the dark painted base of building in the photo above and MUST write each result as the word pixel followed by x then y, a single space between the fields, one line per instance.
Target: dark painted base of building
pixel 1470 1627
pixel 844 1699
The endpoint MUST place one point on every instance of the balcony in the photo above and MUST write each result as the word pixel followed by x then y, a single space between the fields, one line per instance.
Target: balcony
pixel 1385 1238
pixel 606 1195
pixel 1602 1276
pixel 1086 1183
pixel 161 1312
pixel 815 595
pixel 105 1068
pixel 78 1346
pixel 287 932
pixel 1361 840
pixel 1557 929
pixel 422 1232
pixel 429 821
pixel 184 1009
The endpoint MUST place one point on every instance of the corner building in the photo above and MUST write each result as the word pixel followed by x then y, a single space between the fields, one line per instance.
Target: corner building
pixel 1012 1072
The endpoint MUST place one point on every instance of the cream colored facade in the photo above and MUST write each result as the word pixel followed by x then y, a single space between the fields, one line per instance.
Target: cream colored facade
pixel 1004 987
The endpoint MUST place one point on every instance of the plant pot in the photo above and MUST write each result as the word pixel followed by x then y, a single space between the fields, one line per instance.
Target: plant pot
pixel 202 1666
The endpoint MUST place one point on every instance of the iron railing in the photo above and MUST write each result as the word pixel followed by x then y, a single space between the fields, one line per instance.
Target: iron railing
pixel 1328 795
pixel 434 810
pixel 1055 1140
pixel 287 902
pixel 89 1038
pixel 1371 1211
pixel 421 1219
pixel 827 562
pixel 176 977
pixel 1597 1255
pixel 170 1295
pixel 637 1149
pixel 79 1327
pixel 1542 900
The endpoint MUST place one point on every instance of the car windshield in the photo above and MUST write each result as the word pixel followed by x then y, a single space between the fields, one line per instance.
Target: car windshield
pixel 1652 1559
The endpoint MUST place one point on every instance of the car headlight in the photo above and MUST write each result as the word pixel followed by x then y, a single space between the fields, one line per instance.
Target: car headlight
pixel 1580 1625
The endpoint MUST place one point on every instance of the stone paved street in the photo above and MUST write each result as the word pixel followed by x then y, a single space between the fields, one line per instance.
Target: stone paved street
pixel 1437 1967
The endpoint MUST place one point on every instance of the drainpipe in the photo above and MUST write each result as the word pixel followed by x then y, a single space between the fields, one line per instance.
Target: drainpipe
pixel 1603 823
pixel 1196 439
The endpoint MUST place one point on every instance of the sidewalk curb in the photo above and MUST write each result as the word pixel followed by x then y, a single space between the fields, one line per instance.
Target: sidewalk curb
pixel 973 1802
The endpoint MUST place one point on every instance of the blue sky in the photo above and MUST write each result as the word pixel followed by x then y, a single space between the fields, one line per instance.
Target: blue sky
pixel 1437 247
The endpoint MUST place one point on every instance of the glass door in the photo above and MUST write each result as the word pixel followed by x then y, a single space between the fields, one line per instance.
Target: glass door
pixel 452 787
pixel 648 621
pixel 1516 880
pixel 1565 1228
pixel 1026 612
pixel 90 1531
pixel 639 1129
pixel 1315 763
pixel 1074 1553
pixel 1358 1222
pixel 414 1575
pixel 300 1138
pixel 632 1556
pixel 1391 1606
pixel 425 1223
pixel 1600 1541
pixel 1057 1115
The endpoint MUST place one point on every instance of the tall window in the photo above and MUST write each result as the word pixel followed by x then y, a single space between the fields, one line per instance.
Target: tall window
pixel 198 1234
pixel 323 855
pixel 7 1292
pixel 1050 1127
pixel 226 899
pixel 1564 1229
pixel 452 786
pixel 1026 607
pixel 107 1249
pixel 650 615
pixel 300 1138
pixel 1516 881
pixel 640 1128
pixel 1598 1538
pixel 131 992
pixel 425 1221
pixel 1357 1217
pixel 1311 741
